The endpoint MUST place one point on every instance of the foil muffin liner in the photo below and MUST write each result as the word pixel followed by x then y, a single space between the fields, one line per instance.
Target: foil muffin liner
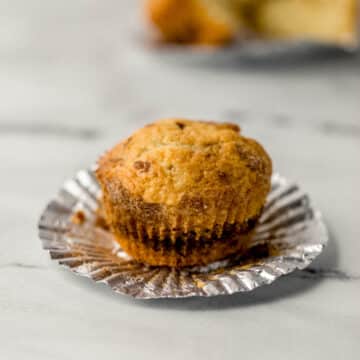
pixel 289 236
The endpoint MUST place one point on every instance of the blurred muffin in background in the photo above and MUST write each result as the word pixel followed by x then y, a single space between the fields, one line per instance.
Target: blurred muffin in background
pixel 328 21
pixel 182 193
pixel 218 22
pixel 207 22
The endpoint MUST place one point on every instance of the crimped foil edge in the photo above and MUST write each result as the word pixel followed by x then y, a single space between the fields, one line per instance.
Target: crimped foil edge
pixel 296 228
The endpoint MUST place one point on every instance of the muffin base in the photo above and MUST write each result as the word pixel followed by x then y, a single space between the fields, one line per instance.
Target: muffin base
pixel 184 252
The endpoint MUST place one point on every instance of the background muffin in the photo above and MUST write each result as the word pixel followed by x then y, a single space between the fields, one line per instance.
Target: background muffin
pixel 331 21
pixel 221 21
pixel 181 192
pixel 195 21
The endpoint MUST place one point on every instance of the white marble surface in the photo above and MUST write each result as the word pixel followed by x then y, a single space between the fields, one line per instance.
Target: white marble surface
pixel 73 81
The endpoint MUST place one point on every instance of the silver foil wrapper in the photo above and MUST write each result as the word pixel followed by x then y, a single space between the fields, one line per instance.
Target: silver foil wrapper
pixel 289 236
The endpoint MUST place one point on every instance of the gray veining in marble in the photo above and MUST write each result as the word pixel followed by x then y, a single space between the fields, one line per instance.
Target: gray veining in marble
pixel 74 80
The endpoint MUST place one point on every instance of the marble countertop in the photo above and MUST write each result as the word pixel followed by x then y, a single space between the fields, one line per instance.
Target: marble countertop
pixel 74 80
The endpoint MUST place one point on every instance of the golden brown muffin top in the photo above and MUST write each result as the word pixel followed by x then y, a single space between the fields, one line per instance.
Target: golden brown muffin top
pixel 173 159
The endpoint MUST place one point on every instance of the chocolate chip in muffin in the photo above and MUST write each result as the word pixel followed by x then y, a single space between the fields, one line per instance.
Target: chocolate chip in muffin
pixel 223 176
pixel 142 166
pixel 180 125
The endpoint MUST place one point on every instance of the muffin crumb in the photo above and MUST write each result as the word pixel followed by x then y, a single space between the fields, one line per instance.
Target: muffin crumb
pixel 78 217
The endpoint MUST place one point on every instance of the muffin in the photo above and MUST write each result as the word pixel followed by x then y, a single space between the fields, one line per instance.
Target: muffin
pixel 219 22
pixel 181 192
pixel 331 21
pixel 206 22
